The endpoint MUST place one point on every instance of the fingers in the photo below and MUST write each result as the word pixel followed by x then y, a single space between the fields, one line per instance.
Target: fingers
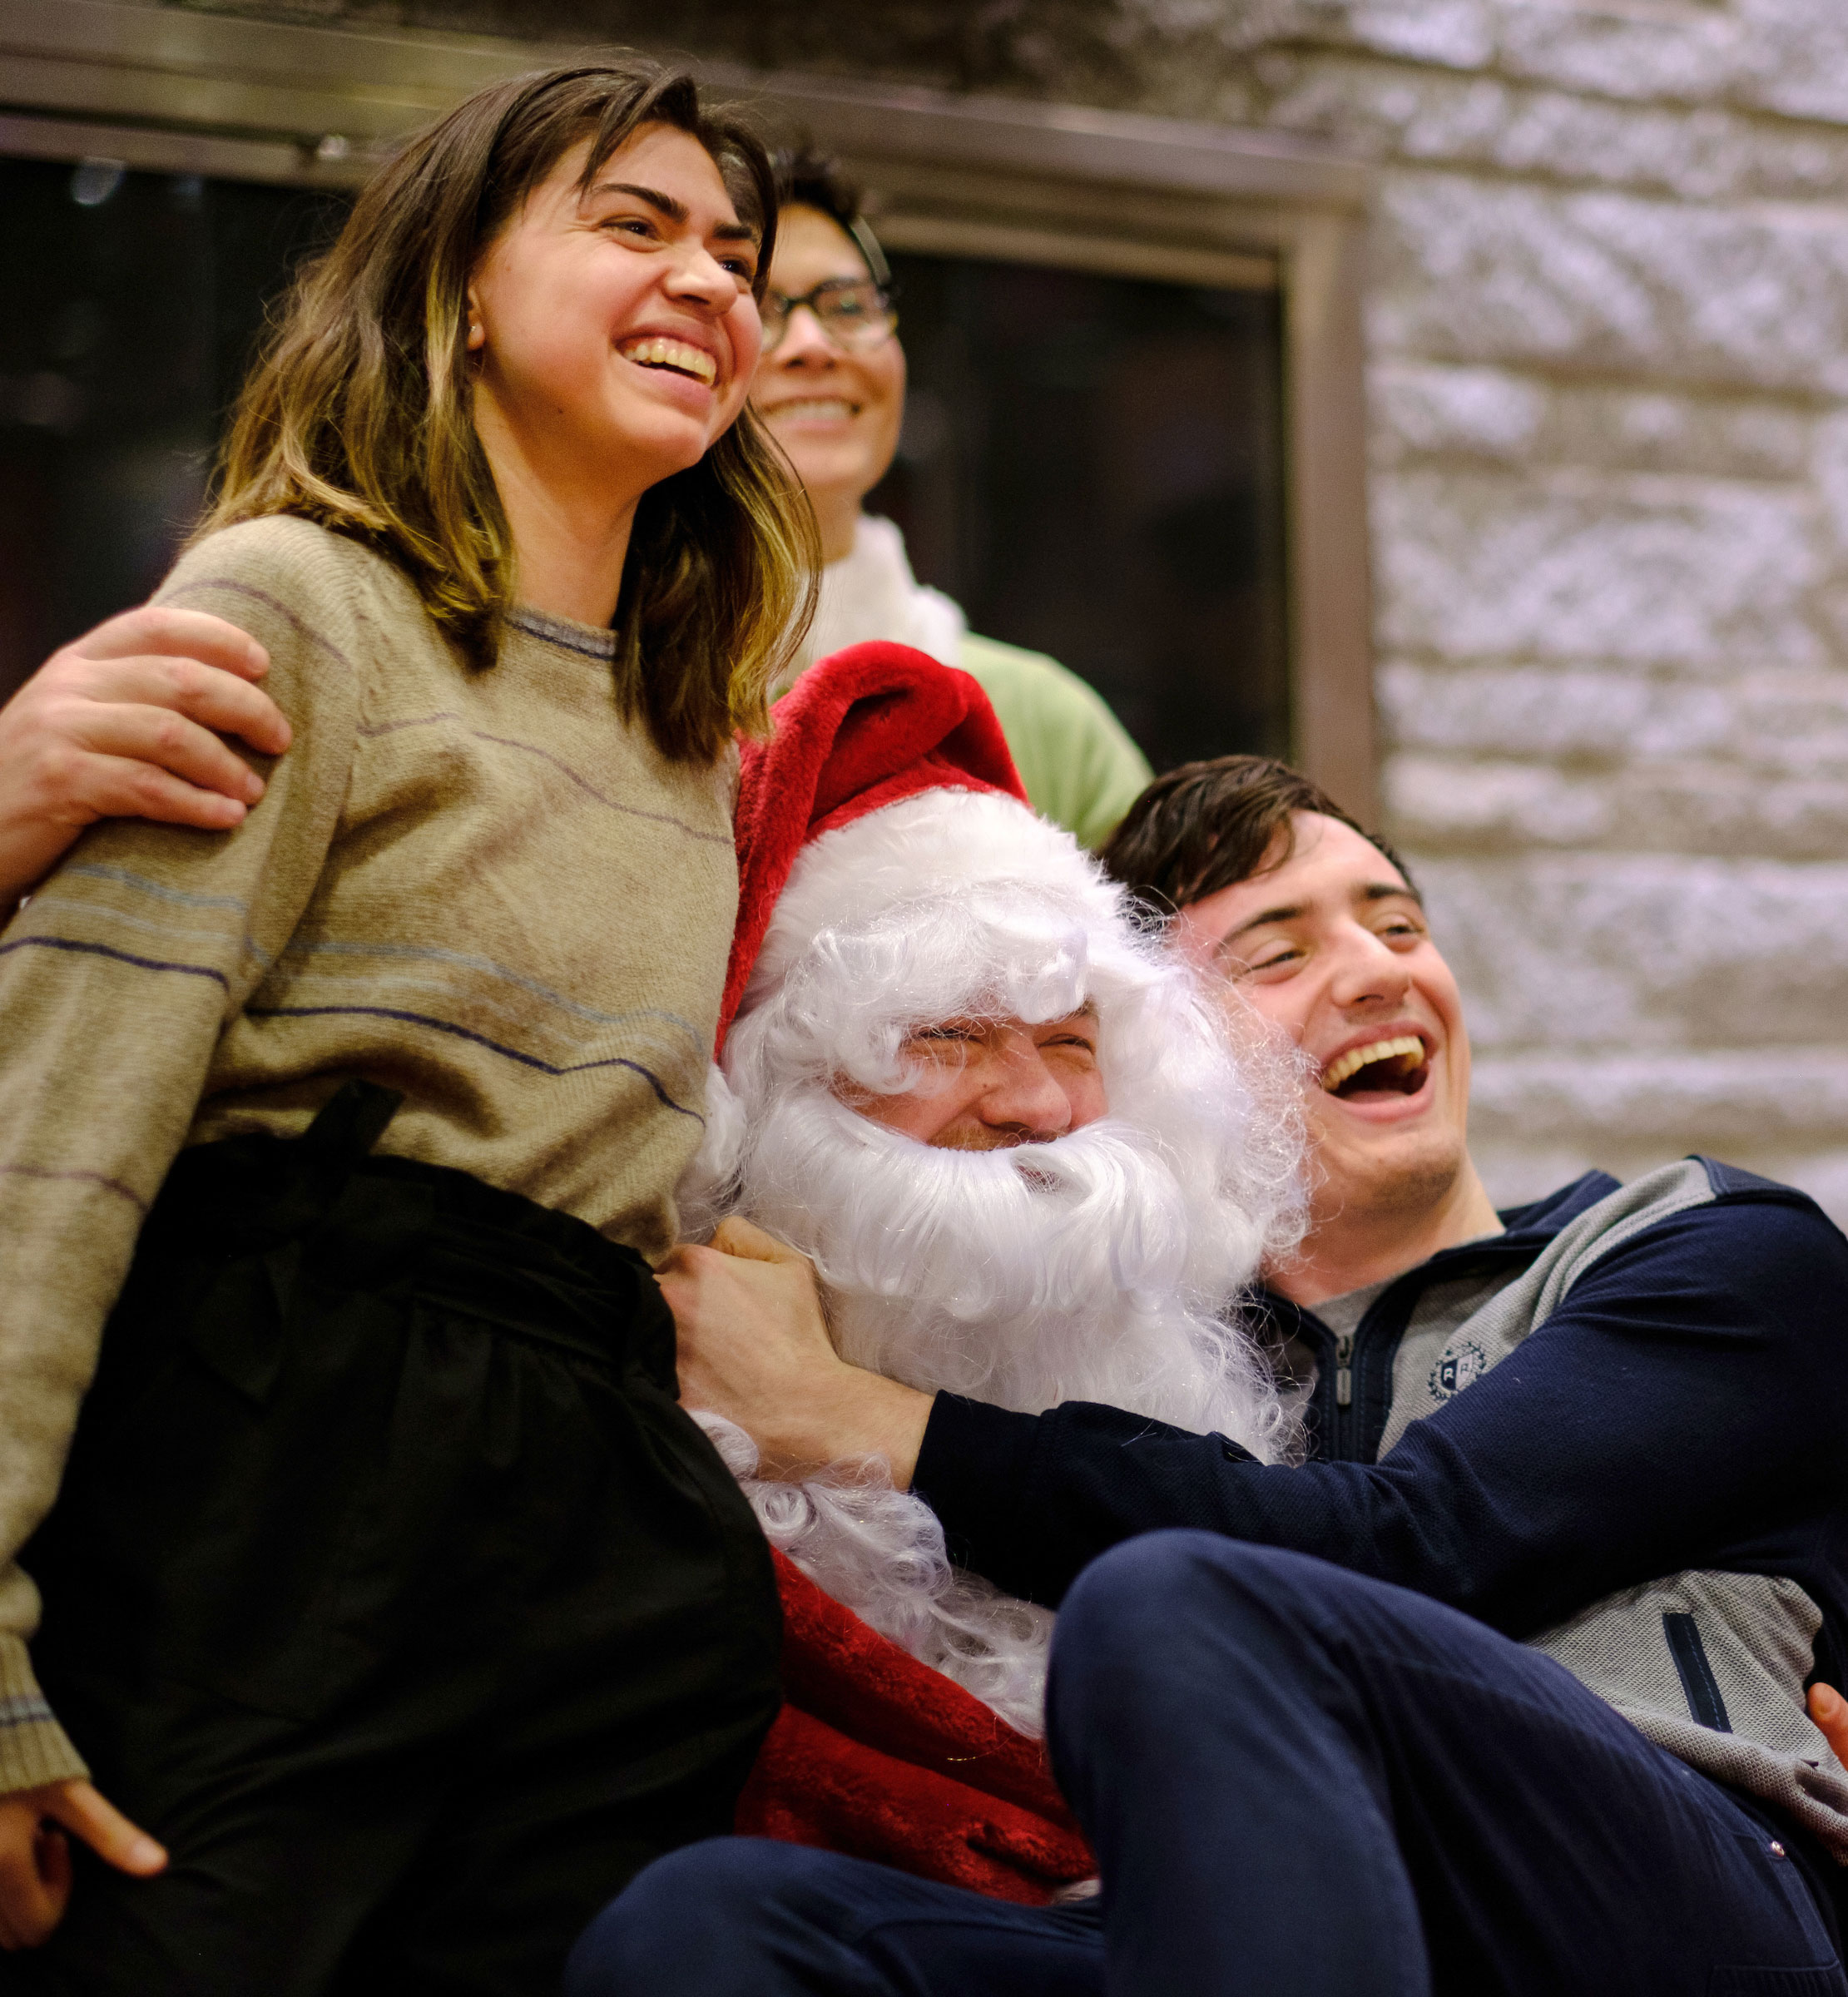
pixel 35 1873
pixel 752 1244
pixel 217 700
pixel 162 629
pixel 74 789
pixel 81 1810
pixel 1830 1710
pixel 153 739
pixel 752 1345
pixel 35 1855
pixel 128 721
pixel 120 789
pixel 154 691
pixel 180 660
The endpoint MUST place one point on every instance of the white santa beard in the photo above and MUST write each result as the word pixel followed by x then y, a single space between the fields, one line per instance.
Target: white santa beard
pixel 1027 1276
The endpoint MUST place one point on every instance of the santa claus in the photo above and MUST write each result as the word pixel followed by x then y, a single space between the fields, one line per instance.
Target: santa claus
pixel 1030 1156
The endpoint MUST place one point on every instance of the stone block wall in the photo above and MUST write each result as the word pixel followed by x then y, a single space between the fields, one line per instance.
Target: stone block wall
pixel 1608 385
pixel 1608 388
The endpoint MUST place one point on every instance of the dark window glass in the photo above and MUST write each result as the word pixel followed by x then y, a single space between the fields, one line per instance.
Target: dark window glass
pixel 131 304
pixel 1093 468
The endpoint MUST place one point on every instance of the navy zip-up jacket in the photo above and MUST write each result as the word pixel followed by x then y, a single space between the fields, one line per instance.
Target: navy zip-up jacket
pixel 1638 1438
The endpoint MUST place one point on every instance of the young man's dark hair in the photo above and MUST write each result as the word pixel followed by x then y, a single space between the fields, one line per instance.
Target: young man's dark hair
pixel 1208 825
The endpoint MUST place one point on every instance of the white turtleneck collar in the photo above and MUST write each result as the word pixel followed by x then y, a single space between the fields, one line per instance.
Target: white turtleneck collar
pixel 872 593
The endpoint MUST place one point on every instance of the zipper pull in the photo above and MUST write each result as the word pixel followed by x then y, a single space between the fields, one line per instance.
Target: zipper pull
pixel 1343 1370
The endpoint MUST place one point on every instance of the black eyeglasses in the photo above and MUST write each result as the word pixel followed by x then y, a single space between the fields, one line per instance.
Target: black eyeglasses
pixel 854 312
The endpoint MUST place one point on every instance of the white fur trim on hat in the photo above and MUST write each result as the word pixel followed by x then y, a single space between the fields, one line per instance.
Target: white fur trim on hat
pixel 939 841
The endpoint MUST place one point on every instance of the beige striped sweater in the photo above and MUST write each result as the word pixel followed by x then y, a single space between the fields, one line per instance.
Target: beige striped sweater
pixel 484 889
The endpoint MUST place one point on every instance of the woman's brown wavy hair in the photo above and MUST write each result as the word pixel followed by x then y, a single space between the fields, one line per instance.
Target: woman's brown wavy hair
pixel 358 414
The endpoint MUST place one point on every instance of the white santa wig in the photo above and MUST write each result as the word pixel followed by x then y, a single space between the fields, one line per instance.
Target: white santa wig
pixel 1105 1265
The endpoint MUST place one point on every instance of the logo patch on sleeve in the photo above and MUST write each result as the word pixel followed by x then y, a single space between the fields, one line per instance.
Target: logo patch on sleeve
pixel 1461 1361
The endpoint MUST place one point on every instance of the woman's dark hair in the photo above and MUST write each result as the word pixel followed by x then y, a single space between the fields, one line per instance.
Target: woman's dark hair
pixel 1206 826
pixel 360 413
pixel 806 178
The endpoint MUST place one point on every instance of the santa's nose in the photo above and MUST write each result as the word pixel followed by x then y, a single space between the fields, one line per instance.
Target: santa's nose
pixel 1025 1098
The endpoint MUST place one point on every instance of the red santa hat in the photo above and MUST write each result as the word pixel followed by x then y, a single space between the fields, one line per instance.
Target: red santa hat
pixel 859 732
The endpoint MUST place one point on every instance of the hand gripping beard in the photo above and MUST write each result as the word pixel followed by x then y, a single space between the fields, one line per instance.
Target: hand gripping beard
pixel 1105 1265
pixel 1024 1277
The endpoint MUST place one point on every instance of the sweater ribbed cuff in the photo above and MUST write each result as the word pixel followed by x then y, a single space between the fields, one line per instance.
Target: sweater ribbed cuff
pixel 34 1749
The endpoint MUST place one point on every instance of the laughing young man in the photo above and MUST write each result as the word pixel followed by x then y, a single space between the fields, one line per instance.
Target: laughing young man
pixel 1503 1690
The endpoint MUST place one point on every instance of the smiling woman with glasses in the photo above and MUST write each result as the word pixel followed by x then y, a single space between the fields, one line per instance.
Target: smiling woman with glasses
pixel 830 390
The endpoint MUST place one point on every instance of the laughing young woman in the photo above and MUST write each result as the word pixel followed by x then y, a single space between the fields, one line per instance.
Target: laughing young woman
pixel 386 1583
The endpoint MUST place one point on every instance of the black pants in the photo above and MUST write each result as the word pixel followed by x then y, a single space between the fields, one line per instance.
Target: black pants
pixel 388 1586
pixel 1299 1782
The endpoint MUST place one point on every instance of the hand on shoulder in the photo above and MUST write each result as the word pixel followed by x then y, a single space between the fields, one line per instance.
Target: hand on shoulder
pixel 127 722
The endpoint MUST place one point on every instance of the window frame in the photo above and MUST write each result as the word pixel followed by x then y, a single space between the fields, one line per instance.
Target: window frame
pixel 172 90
